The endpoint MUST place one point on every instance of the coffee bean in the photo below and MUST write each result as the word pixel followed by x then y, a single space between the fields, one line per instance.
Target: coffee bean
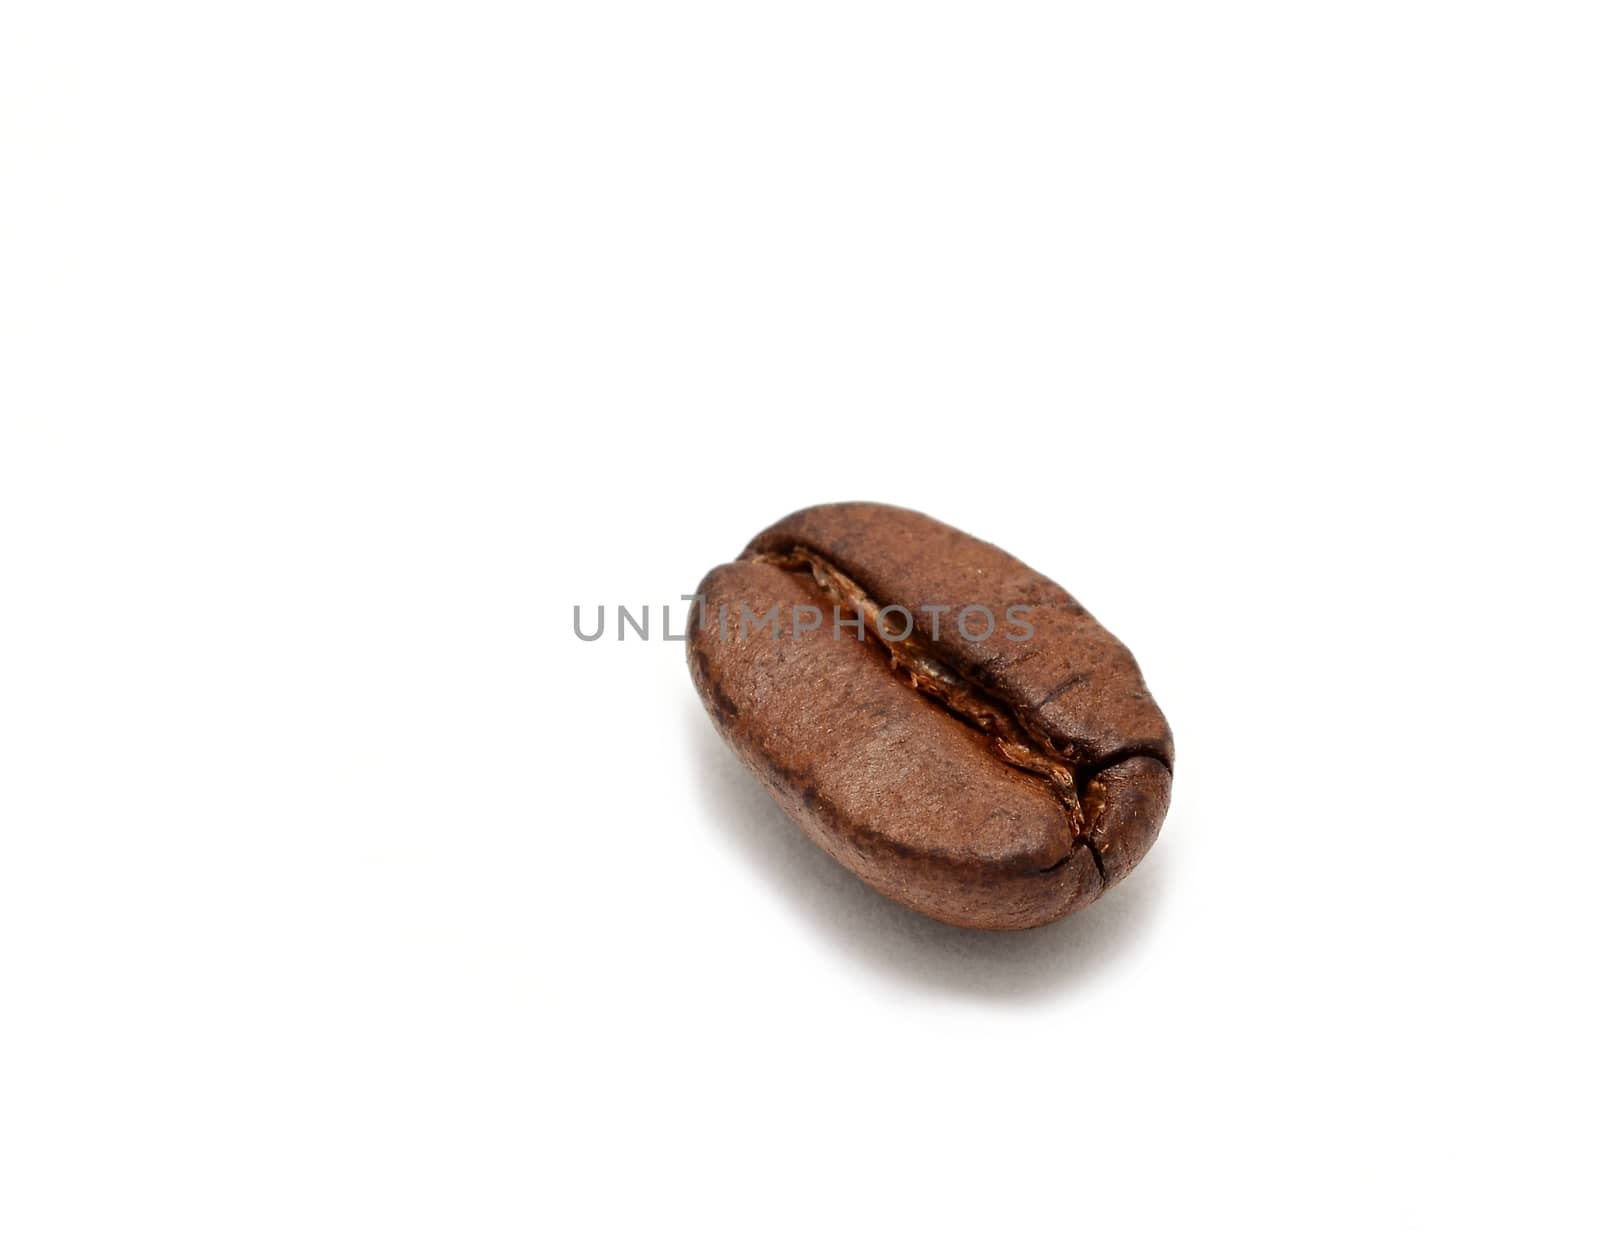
pixel 940 718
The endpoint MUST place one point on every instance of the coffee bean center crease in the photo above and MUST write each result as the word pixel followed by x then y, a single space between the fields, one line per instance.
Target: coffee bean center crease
pixel 1013 738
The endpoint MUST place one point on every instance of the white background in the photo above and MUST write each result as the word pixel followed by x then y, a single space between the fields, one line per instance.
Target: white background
pixel 347 347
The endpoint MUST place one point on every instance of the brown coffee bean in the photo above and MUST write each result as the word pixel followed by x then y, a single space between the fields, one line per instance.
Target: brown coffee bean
pixel 940 718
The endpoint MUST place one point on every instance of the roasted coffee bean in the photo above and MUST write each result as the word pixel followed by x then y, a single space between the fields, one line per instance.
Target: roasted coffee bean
pixel 940 718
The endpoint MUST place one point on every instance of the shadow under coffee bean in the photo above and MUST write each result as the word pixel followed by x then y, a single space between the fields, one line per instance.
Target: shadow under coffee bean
pixel 997 771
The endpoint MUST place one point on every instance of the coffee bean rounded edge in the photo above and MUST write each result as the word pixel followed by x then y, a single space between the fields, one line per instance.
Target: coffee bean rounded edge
pixel 947 723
